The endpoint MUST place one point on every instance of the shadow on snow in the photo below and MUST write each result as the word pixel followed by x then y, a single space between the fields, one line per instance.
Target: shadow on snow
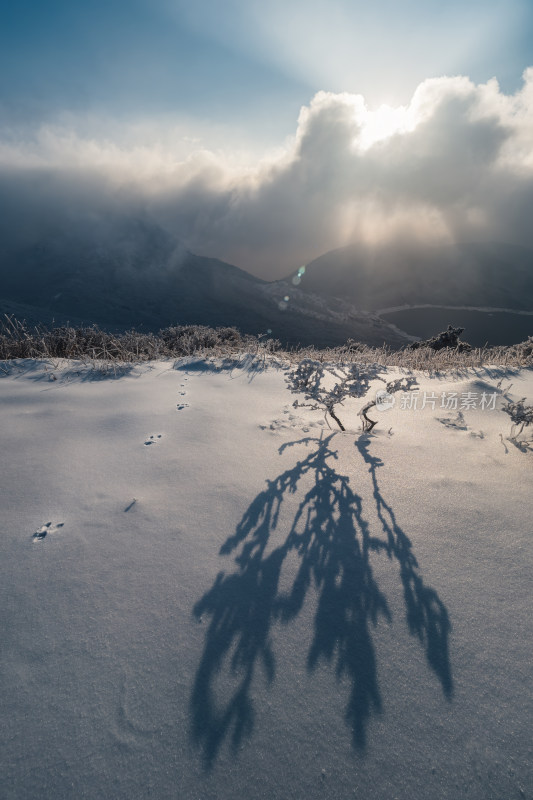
pixel 250 364
pixel 333 542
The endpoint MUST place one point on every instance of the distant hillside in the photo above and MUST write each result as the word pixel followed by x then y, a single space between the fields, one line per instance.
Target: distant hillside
pixel 133 273
pixel 488 274
pixel 140 276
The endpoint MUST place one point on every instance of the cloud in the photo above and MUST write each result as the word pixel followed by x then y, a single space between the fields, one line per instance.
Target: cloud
pixel 456 163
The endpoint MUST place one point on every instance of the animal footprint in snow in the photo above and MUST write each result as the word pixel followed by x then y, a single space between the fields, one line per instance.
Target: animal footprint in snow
pixel 290 422
pixel 153 439
pixel 181 406
pixel 458 423
pixel 45 529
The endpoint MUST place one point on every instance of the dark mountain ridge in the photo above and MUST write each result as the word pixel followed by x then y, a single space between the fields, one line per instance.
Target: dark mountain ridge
pixel 132 273
pixel 477 274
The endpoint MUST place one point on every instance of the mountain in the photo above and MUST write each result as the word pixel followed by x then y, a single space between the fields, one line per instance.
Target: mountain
pixel 470 274
pixel 132 273
pixel 138 275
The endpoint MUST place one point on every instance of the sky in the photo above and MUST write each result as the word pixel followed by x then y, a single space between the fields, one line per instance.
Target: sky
pixel 266 134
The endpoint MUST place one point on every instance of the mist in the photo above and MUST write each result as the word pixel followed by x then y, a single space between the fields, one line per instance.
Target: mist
pixel 453 165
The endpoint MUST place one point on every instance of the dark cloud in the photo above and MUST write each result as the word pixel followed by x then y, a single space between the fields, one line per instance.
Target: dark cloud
pixel 456 164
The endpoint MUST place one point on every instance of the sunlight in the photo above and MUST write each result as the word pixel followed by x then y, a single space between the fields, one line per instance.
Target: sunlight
pixel 383 123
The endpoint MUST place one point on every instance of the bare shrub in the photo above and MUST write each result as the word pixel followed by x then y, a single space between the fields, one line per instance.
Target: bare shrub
pixel 521 416
pixel 188 340
pixel 327 386
pixel 397 385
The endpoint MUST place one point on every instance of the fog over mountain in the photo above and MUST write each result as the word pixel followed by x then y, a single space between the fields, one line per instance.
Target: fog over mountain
pixel 453 165
pixel 429 203
pixel 493 274
pixel 125 272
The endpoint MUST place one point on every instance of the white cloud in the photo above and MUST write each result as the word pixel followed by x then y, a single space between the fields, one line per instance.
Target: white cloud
pixel 455 163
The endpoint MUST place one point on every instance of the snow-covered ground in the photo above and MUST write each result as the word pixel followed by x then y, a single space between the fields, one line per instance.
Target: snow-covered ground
pixel 206 593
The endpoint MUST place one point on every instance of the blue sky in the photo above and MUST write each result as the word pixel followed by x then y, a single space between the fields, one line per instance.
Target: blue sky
pixel 243 63
pixel 267 133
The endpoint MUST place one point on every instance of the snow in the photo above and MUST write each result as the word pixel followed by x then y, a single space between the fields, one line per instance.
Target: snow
pixel 207 593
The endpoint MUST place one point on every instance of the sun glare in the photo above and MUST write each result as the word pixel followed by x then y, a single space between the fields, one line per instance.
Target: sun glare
pixel 383 123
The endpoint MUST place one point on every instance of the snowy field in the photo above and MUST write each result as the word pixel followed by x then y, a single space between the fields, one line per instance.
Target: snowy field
pixel 206 593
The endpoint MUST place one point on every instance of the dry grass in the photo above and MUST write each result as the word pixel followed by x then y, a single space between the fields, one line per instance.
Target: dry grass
pixel 425 358
pixel 90 344
pixel 18 340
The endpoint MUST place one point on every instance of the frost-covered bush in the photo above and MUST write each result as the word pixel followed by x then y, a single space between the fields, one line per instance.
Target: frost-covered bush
pixel 447 338
pixel 521 415
pixel 523 350
pixel 398 385
pixel 190 339
pixel 326 386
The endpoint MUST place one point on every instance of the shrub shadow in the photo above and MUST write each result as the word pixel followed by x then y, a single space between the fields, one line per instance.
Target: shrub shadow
pixel 251 364
pixel 333 542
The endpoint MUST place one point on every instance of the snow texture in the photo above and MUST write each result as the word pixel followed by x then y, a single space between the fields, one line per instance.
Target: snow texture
pixel 206 595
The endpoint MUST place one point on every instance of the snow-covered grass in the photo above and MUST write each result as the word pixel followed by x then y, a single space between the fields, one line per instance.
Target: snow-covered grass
pixel 207 593
pixel 100 348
